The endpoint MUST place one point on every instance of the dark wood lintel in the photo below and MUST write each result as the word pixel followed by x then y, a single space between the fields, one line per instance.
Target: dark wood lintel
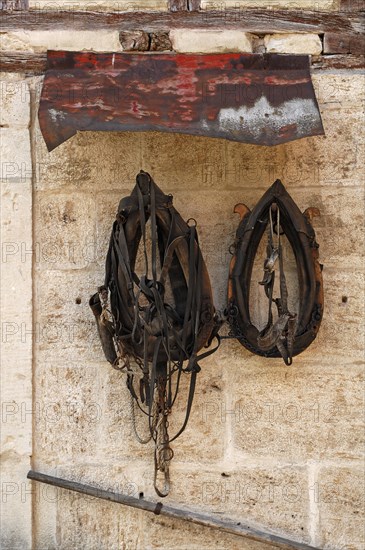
pixel 261 21
pixel 35 63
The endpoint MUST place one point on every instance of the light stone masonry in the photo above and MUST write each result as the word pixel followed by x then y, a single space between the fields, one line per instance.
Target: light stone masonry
pixel 247 413
pixel 17 411
pixel 15 102
pixel 41 41
pixel 268 444
pixel 309 44
pixel 210 41
pixel 240 5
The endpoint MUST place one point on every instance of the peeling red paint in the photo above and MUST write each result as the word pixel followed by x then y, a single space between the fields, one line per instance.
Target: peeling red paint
pixel 217 95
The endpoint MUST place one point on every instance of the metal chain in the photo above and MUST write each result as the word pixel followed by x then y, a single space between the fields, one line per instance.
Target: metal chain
pixel 163 451
pixel 163 454
pixel 146 440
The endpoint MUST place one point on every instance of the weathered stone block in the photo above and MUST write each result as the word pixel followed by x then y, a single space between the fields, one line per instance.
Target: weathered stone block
pixel 16 163
pixel 65 231
pixel 241 5
pixel 41 41
pixel 336 158
pixel 16 314
pixel 67 400
pixel 89 161
pixel 63 518
pixel 210 41
pixel 181 535
pixel 80 524
pixel 160 41
pixel 14 42
pixel 64 325
pixel 343 315
pixel 250 168
pixel 200 442
pixel 45 511
pixel 117 440
pixel 337 92
pixel 198 165
pixel 264 495
pixel 16 502
pixel 16 358
pixel 15 101
pixel 333 160
pixel 293 43
pixel 300 413
pixel 134 40
pixel 341 501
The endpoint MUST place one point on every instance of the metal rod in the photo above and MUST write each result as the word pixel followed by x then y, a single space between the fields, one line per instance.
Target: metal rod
pixel 227 525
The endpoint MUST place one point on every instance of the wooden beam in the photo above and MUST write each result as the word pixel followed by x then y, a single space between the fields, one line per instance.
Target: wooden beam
pixel 335 62
pixel 343 32
pixel 344 43
pixel 251 20
pixel 352 5
pixel 23 62
pixel 35 63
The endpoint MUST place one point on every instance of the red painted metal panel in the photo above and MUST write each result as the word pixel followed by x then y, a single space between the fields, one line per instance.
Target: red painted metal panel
pixel 263 99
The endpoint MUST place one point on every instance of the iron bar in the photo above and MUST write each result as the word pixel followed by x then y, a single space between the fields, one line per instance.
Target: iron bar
pixel 223 524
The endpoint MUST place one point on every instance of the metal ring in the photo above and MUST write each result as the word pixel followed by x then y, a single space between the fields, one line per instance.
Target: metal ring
pixel 169 452
pixel 169 202
pixel 193 224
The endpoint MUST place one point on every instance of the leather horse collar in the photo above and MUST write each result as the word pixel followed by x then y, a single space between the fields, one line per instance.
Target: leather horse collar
pixel 290 334
pixel 161 319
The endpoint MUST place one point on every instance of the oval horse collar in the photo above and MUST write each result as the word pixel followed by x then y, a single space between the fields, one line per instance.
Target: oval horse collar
pixel 291 334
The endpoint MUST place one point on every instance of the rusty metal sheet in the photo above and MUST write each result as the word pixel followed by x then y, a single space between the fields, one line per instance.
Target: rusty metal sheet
pixel 264 99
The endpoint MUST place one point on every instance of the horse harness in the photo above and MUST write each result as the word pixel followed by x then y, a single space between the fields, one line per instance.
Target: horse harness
pixel 156 322
pixel 154 326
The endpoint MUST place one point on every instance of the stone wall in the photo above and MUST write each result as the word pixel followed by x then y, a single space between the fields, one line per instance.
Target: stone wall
pixel 16 311
pixel 274 445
